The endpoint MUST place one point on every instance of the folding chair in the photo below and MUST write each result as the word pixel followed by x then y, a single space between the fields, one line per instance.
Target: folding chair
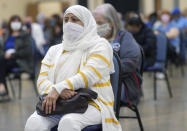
pixel 161 63
pixel 133 106
pixel 182 55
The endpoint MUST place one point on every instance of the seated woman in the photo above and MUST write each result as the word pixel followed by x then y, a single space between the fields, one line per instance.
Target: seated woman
pixel 170 29
pixel 83 60
pixel 15 51
pixel 109 27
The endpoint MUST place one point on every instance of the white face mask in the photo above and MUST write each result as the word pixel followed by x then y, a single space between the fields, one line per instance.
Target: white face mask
pixel 15 25
pixel 103 29
pixel 165 18
pixel 72 31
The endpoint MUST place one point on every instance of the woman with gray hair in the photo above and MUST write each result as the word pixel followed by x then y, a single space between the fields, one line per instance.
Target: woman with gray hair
pixel 110 27
pixel 109 20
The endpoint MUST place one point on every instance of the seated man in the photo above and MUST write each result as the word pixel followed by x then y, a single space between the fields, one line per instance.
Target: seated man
pixel 145 37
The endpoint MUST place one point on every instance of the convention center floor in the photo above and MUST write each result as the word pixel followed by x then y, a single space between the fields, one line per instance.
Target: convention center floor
pixel 164 114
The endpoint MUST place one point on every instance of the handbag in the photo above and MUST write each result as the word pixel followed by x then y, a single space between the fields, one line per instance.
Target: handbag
pixel 76 104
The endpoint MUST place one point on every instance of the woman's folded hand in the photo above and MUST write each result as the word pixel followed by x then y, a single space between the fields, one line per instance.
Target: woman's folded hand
pixel 67 94
pixel 49 102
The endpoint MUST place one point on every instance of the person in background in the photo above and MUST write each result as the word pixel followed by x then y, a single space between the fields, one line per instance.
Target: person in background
pixel 15 51
pixel 41 19
pixel 153 22
pixel 57 32
pixel 2 31
pixel 171 30
pixel 110 27
pixel 145 37
pixel 37 35
pixel 48 30
pixel 180 20
pixel 181 23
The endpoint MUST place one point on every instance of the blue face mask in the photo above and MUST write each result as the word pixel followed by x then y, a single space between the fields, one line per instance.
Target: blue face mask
pixel 28 25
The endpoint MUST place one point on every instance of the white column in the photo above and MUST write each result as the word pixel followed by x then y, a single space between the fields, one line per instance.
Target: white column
pixel 167 4
pixel 148 6
pixel 92 4
pixel 183 4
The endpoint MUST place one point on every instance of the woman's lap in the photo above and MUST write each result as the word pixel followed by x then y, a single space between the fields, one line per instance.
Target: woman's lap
pixel 91 117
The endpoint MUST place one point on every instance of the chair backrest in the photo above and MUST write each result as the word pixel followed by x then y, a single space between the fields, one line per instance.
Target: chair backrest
pixel 142 61
pixel 161 47
pixel 116 83
pixel 183 41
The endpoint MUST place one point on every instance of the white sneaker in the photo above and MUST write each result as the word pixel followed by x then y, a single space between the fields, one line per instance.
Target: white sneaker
pixel 160 75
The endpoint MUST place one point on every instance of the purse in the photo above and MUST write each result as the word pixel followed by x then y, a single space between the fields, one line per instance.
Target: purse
pixel 76 104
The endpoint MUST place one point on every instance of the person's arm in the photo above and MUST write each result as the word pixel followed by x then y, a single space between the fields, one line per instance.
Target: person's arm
pixel 43 83
pixel 129 53
pixel 96 67
pixel 173 33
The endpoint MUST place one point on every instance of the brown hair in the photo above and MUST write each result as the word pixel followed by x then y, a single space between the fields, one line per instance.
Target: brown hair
pixel 13 18
pixel 165 12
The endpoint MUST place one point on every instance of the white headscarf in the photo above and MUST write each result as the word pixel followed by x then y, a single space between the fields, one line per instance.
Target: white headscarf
pixel 77 48
pixel 89 37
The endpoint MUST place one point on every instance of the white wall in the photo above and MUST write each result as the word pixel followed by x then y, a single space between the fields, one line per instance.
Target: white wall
pixel 148 6
pixel 167 4
pixel 11 7
pixel 53 7
pixel 183 4
pixel 92 4
pixel 49 8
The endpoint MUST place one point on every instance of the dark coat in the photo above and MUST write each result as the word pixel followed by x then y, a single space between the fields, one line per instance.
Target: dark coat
pixel 146 38
pixel 131 60
pixel 23 51
pixel 129 53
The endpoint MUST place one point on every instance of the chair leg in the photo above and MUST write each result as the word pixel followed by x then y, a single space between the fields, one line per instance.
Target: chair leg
pixel 155 86
pixel 171 70
pixel 35 87
pixel 139 118
pixel 168 85
pixel 12 87
pixel 20 87
pixel 182 70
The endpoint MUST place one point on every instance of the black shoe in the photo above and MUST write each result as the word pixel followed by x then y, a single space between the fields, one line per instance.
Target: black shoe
pixel 4 98
pixel 2 93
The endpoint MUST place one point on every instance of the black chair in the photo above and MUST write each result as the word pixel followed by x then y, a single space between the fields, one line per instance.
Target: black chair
pixel 132 106
pixel 15 74
pixel 161 63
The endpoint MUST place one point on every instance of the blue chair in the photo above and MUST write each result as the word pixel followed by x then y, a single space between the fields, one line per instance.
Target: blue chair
pixel 116 85
pixel 182 55
pixel 161 63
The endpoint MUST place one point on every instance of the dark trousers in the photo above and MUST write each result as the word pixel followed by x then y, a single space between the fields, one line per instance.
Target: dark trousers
pixel 5 68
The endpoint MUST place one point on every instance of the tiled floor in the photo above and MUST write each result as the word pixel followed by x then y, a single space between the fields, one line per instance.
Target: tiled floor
pixel 165 114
